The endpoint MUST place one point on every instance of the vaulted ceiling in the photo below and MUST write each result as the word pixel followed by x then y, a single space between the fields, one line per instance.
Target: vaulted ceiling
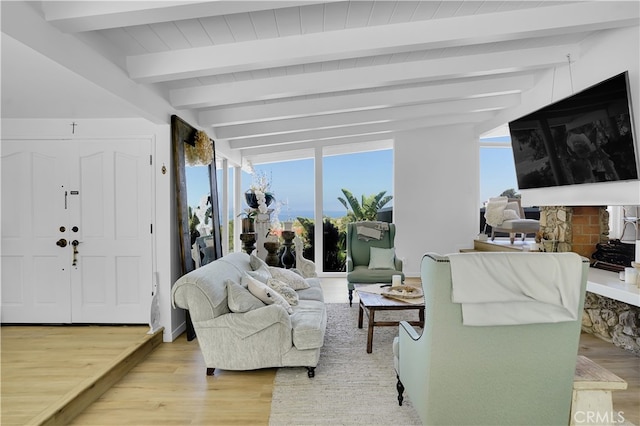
pixel 274 79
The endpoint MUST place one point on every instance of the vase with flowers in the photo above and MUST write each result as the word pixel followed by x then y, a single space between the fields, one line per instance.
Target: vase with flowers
pixel 258 196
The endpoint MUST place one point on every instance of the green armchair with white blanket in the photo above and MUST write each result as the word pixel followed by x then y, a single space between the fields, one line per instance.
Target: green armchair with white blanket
pixel 500 340
pixel 371 256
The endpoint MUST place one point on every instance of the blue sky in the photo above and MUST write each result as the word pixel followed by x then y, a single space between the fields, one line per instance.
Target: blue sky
pixel 497 169
pixel 364 173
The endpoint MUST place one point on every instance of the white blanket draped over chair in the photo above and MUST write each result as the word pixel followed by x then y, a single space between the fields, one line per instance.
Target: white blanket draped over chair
pixel 494 211
pixel 524 288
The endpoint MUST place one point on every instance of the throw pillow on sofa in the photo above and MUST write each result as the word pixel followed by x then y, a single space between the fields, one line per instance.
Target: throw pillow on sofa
pixel 240 299
pixel 261 274
pixel 285 291
pixel 265 293
pixel 289 277
pixel 256 263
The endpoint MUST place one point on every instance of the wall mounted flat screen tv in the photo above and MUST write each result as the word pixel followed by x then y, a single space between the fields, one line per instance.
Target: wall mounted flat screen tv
pixel 585 138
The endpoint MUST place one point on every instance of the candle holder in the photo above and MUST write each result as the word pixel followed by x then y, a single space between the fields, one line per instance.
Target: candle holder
pixel 248 242
pixel 288 259
pixel 272 253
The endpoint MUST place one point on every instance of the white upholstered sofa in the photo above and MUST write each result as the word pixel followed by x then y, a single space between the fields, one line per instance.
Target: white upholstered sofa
pixel 238 331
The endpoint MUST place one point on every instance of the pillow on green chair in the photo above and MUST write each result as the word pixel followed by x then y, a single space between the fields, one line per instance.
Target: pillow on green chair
pixel 382 258
pixel 240 300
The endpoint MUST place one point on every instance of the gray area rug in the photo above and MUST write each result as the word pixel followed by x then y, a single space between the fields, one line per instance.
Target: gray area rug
pixel 350 385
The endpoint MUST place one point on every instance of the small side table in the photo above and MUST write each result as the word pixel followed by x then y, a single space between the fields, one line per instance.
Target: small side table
pixel 592 386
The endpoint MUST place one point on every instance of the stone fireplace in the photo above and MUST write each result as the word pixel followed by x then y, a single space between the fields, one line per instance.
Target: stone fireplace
pixel 579 229
pixel 576 229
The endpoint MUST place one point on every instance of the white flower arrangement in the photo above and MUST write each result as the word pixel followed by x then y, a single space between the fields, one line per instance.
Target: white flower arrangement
pixel 260 188
pixel 262 200
pixel 260 183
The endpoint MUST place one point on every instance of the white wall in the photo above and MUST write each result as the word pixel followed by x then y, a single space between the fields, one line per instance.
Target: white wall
pixel 165 262
pixel 435 192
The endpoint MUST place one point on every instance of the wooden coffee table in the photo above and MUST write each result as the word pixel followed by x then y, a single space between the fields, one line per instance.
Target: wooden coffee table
pixel 371 302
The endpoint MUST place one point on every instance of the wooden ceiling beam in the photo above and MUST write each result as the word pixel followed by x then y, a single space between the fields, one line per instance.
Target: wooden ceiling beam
pixel 363 129
pixel 345 119
pixel 379 40
pixel 79 16
pixel 481 87
pixel 372 76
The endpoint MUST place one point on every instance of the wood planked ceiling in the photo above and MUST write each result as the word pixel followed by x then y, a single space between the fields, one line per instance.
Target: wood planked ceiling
pixel 283 77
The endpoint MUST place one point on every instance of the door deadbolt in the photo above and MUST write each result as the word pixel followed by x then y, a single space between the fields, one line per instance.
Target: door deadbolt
pixel 61 242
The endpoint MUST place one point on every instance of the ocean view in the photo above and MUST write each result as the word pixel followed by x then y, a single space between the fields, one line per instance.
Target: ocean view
pixel 293 214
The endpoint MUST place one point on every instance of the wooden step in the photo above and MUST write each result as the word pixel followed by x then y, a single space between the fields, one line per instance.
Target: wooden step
pixel 69 405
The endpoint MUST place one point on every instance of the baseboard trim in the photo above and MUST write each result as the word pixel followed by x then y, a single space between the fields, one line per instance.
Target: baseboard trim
pixel 177 332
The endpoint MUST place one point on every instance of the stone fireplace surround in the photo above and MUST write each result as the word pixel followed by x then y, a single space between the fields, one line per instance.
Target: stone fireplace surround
pixel 579 229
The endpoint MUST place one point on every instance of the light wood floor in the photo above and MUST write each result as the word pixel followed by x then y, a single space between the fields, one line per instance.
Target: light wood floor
pixel 170 385
pixel 44 368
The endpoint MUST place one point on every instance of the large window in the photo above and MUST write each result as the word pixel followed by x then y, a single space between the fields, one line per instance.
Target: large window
pixel 497 170
pixel 361 174
pixel 291 182
pixel 226 218
pixel 293 185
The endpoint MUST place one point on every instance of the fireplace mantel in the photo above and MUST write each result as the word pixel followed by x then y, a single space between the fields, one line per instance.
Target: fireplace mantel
pixel 608 284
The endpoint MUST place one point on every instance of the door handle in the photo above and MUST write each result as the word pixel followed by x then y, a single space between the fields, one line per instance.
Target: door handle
pixel 61 242
pixel 75 243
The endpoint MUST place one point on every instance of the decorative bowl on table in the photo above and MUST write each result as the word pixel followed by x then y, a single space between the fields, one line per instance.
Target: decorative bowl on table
pixel 403 292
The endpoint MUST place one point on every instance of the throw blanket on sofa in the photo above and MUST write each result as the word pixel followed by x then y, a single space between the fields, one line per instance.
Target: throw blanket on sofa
pixel 518 288
pixel 371 230
pixel 494 212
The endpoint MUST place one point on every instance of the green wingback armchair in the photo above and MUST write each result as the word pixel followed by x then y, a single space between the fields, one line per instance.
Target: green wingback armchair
pixel 456 374
pixel 360 269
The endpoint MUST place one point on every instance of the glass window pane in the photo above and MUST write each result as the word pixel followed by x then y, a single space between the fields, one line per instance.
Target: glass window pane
pixel 497 172
pixel 292 185
pixel 362 174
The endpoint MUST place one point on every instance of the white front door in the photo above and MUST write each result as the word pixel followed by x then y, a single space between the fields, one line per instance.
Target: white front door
pixel 103 203
pixel 36 283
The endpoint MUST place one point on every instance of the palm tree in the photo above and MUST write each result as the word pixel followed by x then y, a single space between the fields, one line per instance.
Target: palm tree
pixel 367 208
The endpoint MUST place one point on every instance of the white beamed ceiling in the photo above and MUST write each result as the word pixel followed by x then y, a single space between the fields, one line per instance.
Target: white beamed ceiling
pixel 276 79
